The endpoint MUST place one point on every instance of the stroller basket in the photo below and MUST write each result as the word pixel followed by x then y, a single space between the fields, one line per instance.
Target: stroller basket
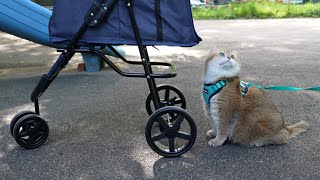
pixel 84 24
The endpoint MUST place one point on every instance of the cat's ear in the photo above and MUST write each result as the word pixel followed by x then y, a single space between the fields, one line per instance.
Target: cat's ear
pixel 214 50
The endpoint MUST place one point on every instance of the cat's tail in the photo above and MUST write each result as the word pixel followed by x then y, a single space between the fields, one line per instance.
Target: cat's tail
pixel 298 128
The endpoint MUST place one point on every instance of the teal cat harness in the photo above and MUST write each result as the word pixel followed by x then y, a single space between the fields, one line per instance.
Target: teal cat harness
pixel 212 89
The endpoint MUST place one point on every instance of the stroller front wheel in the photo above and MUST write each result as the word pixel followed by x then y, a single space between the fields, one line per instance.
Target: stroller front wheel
pixel 31 131
pixel 170 131
pixel 17 117
pixel 169 96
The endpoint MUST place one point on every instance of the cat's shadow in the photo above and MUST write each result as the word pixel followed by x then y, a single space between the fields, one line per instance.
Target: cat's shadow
pixel 228 155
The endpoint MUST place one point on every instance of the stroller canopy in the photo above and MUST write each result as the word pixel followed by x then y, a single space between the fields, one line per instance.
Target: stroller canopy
pixel 160 22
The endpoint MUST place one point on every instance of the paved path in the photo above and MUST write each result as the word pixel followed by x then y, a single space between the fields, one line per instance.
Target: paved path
pixel 97 120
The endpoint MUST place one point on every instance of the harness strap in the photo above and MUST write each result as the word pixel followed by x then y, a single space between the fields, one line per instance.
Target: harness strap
pixel 210 90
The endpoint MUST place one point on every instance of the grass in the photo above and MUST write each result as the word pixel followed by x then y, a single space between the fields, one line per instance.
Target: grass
pixel 260 10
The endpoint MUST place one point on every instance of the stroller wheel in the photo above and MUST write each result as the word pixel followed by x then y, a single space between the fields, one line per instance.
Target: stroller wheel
pixel 16 118
pixel 31 131
pixel 167 137
pixel 169 96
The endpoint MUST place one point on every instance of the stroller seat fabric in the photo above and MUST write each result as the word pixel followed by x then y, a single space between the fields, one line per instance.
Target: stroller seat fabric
pixel 160 22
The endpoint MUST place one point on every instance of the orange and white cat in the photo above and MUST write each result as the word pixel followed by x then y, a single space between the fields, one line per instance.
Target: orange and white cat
pixel 251 119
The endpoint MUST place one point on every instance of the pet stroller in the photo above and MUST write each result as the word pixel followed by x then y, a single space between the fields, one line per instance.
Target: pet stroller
pixel 84 25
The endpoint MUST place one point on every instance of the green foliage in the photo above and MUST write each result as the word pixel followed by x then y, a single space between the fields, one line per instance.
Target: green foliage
pixel 263 9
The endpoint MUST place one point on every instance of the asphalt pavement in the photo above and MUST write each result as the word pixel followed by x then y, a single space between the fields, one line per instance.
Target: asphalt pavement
pixel 97 120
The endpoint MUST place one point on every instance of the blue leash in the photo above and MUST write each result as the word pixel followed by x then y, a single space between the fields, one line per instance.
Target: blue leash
pixel 283 88
pixel 210 90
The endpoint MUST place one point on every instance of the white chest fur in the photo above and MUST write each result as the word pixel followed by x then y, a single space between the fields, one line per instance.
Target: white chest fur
pixel 213 111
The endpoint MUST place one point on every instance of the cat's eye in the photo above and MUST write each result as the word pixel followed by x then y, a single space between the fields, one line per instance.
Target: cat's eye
pixel 222 54
pixel 232 56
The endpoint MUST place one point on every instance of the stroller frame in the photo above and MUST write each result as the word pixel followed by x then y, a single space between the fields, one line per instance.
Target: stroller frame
pixel 169 128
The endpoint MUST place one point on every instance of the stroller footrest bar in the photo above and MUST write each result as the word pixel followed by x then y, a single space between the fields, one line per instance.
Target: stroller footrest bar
pixel 42 85
pixel 164 75
pixel 127 74
pixel 142 75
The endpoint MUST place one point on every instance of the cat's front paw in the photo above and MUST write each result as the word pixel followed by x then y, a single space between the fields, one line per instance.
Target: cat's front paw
pixel 211 134
pixel 215 142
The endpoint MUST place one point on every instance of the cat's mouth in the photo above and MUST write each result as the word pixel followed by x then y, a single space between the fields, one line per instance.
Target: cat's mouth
pixel 225 62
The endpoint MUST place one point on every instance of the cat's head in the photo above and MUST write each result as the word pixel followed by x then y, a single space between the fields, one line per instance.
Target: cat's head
pixel 220 65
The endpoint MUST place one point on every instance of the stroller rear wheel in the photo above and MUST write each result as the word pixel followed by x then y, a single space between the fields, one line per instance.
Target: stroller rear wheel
pixel 176 134
pixel 31 131
pixel 169 96
pixel 17 117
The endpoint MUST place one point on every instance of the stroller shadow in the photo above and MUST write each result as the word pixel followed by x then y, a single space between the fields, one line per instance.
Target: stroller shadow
pixel 181 168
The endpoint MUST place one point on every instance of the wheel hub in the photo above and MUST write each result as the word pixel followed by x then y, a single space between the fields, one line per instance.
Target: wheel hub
pixel 171 133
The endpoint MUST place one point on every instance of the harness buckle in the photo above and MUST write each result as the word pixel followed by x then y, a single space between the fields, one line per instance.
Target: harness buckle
pixel 244 87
